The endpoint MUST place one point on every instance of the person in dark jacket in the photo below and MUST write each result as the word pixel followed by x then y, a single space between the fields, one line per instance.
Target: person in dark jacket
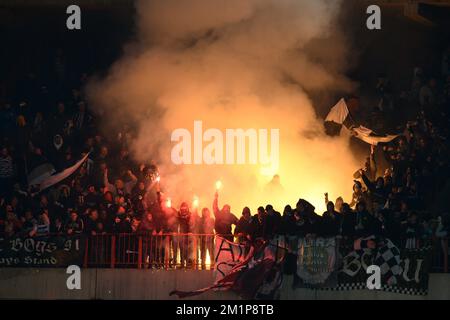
pixel 394 220
pixel 258 223
pixel 330 221
pixel 243 230
pixel 148 231
pixel 348 223
pixel 57 226
pixel 377 192
pixel 307 221
pixel 91 223
pixel 138 197
pixel 287 226
pixel 92 199
pixel 273 222
pixel 366 223
pixel 147 225
pixel 122 221
pixel 75 224
pixel 412 231
pixel 207 238
pixel 224 219
pixel 183 222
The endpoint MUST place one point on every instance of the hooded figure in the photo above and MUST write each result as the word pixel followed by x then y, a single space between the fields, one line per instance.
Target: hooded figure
pixel 184 217
pixel 307 221
pixel 224 219
pixel 58 141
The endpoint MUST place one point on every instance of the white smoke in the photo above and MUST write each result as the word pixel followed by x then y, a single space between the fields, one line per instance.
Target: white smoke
pixel 234 64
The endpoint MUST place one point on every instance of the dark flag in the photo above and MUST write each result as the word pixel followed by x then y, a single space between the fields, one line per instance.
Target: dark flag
pixel 259 276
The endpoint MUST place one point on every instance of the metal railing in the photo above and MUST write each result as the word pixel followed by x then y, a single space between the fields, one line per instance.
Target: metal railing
pixel 196 251
pixel 158 251
pixel 170 250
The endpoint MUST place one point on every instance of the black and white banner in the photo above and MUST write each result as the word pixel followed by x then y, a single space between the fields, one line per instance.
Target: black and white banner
pixel 53 251
pixel 402 270
pixel 316 263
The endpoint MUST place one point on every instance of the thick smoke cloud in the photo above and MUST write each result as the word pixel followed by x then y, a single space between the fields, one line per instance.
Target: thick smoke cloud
pixel 233 64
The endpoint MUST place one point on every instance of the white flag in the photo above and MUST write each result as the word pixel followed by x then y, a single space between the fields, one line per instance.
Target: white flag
pixel 367 135
pixel 338 113
pixel 60 176
pixel 40 173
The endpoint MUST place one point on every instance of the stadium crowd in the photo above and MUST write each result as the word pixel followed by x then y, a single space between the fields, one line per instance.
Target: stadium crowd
pixel 111 193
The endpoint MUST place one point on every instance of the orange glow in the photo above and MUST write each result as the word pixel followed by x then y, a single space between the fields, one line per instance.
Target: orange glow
pixel 218 185
pixel 208 261
pixel 195 202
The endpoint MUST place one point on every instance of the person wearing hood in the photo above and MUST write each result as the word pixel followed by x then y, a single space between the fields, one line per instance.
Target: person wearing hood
pixel 348 222
pixel 359 194
pixel 366 223
pixel 258 224
pixel 331 221
pixel 273 222
pixel 308 222
pixel 243 230
pixel 377 192
pixel 57 151
pixel 287 225
pixel 183 227
pixel 224 219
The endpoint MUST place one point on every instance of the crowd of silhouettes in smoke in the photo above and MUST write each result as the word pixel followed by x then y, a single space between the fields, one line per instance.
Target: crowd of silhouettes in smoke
pixel 111 193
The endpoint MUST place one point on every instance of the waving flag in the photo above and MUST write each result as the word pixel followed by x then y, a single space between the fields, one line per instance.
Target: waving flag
pixel 51 180
pixel 338 113
pixel 258 276
pixel 336 118
pixel 367 135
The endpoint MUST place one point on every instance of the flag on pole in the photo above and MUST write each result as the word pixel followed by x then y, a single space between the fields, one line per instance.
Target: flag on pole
pixel 336 118
pixel 338 113
pixel 60 176
pixel 40 173
pixel 370 137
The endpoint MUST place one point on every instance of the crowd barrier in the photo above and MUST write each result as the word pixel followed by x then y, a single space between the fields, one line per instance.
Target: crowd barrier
pixel 155 251
pixel 174 250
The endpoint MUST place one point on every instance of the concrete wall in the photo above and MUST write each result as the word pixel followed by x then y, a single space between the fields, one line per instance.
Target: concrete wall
pixel 22 283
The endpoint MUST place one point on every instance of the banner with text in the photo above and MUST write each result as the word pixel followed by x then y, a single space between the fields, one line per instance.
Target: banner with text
pixel 402 270
pixel 49 251
pixel 227 255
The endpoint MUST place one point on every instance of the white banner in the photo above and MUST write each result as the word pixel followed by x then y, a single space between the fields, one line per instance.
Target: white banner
pixel 54 179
